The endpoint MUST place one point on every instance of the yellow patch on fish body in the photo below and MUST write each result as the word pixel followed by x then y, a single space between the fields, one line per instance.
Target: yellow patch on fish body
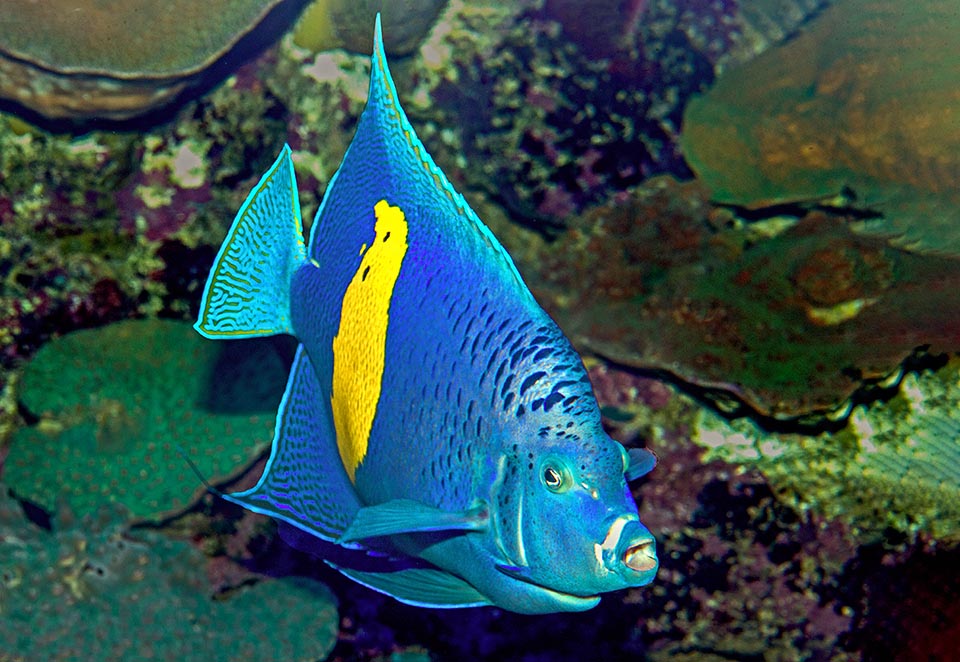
pixel 359 347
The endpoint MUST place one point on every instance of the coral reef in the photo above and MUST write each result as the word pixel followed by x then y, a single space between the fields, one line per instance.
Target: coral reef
pixel 113 405
pixel 895 465
pixel 88 589
pixel 911 603
pixel 760 556
pixel 108 225
pixel 810 120
pixel 555 128
pixel 786 319
pixel 564 103
pixel 346 24
pixel 86 60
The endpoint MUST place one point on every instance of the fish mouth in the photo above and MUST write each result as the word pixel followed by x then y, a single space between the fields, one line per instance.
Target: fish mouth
pixel 630 551
pixel 641 557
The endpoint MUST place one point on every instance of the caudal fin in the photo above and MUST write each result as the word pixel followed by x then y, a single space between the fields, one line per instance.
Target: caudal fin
pixel 248 291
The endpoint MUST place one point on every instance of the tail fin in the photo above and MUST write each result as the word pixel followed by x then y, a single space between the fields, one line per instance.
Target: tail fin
pixel 248 290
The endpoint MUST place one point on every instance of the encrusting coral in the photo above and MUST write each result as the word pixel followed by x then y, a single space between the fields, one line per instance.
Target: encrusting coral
pixel 90 590
pixel 894 465
pixel 113 406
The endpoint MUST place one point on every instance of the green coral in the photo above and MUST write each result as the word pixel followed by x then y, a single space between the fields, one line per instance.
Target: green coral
pixel 114 405
pixel 90 590
pixel 896 464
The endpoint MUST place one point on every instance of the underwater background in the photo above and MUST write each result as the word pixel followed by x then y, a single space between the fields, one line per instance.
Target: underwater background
pixel 744 215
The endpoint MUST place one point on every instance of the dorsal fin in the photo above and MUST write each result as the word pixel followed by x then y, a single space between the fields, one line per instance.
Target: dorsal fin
pixel 387 161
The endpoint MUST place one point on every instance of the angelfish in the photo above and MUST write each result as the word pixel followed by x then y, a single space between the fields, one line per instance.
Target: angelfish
pixel 438 432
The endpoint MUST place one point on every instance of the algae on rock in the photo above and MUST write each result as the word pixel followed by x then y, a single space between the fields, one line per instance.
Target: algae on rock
pixel 896 464
pixel 114 404
pixel 90 590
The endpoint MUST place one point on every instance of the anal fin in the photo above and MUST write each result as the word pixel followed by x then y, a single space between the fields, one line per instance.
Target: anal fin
pixel 304 482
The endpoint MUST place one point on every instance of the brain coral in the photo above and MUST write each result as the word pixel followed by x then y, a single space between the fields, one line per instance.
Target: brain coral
pixel 115 403
pixel 89 591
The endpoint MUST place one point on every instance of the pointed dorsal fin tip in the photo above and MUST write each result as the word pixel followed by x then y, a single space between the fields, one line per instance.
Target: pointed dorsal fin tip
pixel 377 36
pixel 382 95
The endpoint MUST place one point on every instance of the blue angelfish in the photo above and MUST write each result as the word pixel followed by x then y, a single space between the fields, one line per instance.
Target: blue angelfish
pixel 438 433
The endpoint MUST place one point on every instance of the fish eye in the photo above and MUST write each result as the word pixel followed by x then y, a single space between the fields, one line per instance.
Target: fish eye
pixel 555 476
pixel 552 478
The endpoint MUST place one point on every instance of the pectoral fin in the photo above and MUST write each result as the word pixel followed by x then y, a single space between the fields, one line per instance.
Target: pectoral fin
pixel 408 516
pixel 642 462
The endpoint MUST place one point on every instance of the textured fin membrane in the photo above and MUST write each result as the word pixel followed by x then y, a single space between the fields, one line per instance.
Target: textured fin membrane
pixel 421 587
pixel 304 482
pixel 248 292
pixel 408 516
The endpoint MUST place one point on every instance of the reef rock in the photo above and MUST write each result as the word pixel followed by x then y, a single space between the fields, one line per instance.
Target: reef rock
pixel 895 465
pixel 346 24
pixel 114 405
pixel 85 59
pixel 864 100
pixel 90 590
pixel 789 320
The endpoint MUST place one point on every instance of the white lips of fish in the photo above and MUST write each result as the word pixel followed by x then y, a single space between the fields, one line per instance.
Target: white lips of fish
pixel 637 557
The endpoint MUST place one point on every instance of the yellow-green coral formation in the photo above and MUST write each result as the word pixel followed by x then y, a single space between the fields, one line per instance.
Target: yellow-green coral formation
pixel 89 590
pixel 94 59
pixel 115 404
pixel 346 24
pixel 895 464
pixel 865 98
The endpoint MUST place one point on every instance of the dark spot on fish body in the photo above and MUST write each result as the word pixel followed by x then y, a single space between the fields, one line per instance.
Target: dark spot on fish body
pixel 544 353
pixel 473 347
pixel 386 236
pixel 507 401
pixel 500 370
pixel 515 358
pixel 459 318
pixel 365 272
pixel 530 380
pixel 489 366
